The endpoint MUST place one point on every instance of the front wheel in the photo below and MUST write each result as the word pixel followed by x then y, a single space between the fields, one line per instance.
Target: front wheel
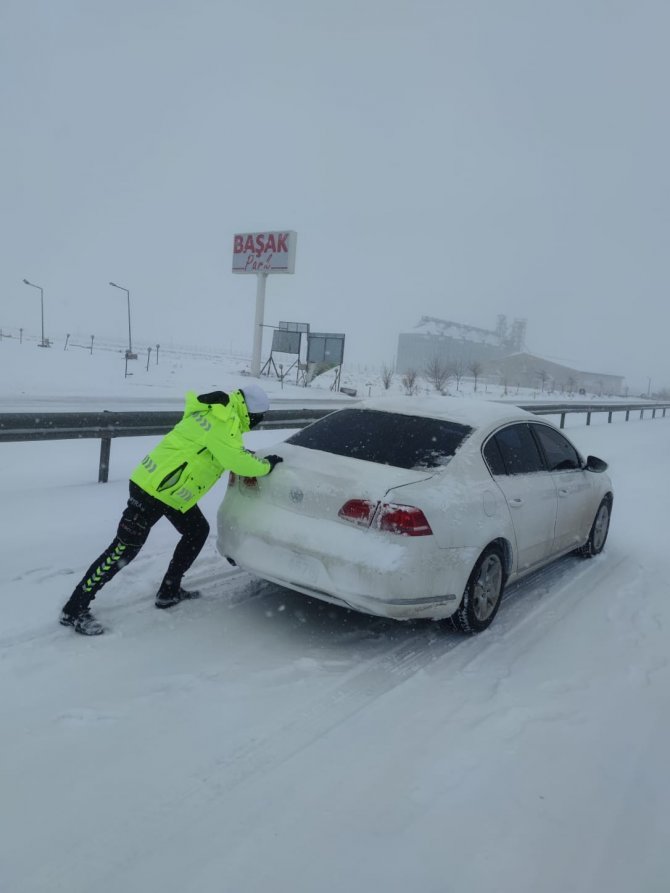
pixel 483 593
pixel 599 530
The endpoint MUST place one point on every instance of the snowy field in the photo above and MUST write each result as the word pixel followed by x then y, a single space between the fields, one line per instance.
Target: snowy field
pixel 58 380
pixel 258 741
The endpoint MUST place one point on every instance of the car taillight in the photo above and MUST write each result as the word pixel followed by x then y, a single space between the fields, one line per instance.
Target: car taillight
pixel 358 511
pixel 406 520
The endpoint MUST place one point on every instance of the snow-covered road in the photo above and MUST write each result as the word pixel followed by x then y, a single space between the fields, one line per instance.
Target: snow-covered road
pixel 259 741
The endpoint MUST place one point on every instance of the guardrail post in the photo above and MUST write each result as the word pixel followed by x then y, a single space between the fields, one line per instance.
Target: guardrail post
pixel 609 417
pixel 105 449
pixel 642 413
pixel 653 413
pixel 627 414
pixel 588 418
pixel 562 420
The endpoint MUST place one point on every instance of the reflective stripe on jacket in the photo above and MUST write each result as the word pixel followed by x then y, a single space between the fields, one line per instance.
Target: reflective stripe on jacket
pixel 192 457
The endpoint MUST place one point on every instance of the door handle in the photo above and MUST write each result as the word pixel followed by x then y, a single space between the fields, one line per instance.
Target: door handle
pixel 516 502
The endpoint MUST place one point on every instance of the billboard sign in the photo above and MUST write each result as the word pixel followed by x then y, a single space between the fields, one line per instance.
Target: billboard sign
pixel 325 347
pixel 272 252
pixel 284 341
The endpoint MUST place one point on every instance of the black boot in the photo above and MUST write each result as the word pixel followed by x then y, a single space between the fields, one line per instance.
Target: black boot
pixel 83 622
pixel 76 613
pixel 168 596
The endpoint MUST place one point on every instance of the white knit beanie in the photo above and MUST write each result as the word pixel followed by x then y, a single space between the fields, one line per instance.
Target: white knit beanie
pixel 255 398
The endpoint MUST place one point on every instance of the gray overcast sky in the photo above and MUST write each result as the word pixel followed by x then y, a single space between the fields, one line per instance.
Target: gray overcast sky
pixel 454 159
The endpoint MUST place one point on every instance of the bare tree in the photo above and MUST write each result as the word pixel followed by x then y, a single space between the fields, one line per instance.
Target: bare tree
pixel 476 368
pixel 543 375
pixel 387 374
pixel 571 386
pixel 457 369
pixel 409 381
pixel 437 373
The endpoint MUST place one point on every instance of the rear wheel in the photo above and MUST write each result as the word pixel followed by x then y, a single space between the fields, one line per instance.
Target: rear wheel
pixel 483 593
pixel 599 530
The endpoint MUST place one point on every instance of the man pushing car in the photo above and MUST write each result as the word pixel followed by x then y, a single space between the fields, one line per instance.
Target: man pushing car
pixel 168 483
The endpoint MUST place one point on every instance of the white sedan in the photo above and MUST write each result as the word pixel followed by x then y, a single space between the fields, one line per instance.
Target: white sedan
pixel 406 508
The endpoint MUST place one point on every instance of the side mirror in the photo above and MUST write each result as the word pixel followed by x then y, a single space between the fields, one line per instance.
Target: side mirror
pixel 593 463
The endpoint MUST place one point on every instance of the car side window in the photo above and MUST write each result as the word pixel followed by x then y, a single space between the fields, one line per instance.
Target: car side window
pixel 560 453
pixel 519 451
pixel 493 458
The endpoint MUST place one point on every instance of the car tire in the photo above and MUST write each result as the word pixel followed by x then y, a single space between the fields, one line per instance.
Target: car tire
pixel 483 593
pixel 599 530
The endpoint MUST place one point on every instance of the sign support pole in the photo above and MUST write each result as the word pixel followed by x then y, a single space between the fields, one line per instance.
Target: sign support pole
pixel 262 254
pixel 261 279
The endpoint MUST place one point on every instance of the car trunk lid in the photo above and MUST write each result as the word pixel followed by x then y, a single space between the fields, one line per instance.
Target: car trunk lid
pixel 318 484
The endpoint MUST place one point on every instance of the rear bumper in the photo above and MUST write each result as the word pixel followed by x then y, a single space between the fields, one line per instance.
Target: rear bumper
pixel 432 607
pixel 400 578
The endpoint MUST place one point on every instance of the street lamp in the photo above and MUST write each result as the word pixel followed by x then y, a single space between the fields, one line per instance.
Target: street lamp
pixel 129 353
pixel 43 342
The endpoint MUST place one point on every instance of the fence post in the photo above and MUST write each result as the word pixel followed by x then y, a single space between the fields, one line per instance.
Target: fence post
pixel 105 449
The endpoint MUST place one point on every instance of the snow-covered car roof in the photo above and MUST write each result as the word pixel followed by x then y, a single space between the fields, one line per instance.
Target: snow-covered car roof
pixel 471 412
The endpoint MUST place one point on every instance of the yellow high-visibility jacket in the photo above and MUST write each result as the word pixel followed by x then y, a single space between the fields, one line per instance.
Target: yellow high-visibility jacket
pixel 192 457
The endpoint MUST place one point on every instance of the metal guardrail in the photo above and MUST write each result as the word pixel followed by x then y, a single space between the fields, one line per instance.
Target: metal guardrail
pixel 563 409
pixel 21 426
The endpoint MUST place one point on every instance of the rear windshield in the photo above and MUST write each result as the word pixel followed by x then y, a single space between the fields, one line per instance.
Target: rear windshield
pixel 405 441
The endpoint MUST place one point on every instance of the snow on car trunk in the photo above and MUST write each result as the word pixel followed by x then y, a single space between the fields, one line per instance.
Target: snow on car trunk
pixel 317 484
pixel 352 458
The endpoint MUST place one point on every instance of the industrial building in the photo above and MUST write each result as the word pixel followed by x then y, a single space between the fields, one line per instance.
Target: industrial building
pixel 498 354
pixel 453 342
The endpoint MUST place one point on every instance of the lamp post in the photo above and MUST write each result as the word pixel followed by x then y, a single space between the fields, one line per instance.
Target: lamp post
pixel 43 342
pixel 129 354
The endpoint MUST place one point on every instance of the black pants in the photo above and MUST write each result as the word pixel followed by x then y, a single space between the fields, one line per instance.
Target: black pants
pixel 140 515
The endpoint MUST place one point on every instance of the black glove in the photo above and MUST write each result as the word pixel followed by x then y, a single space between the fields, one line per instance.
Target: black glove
pixel 273 460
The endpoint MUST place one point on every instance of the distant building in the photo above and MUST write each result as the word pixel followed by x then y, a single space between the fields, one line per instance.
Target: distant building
pixel 453 342
pixel 499 355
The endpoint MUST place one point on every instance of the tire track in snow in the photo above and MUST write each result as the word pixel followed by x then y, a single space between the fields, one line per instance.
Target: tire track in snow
pixel 529 607
pixel 531 600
